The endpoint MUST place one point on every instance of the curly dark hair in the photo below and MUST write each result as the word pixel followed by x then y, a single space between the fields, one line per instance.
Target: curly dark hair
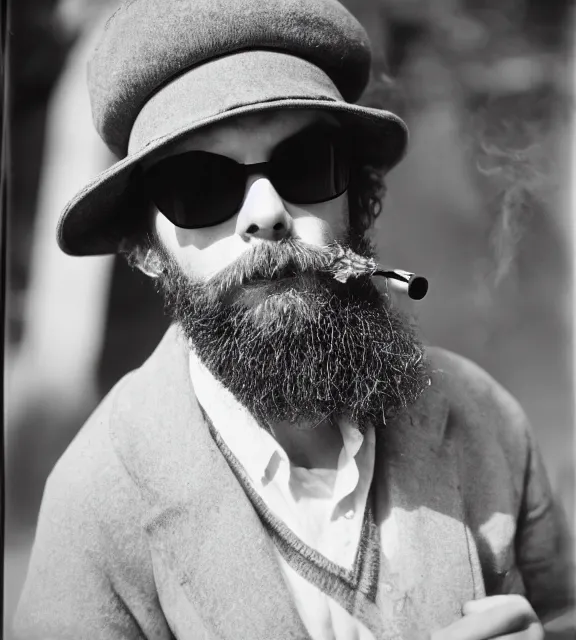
pixel 365 200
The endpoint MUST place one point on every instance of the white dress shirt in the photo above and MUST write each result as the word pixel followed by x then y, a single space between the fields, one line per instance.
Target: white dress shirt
pixel 323 507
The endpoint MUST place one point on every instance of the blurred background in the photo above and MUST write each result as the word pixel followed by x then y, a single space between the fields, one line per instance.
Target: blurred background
pixel 480 206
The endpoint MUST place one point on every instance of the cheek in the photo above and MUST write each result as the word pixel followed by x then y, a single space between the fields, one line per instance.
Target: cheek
pixel 200 252
pixel 323 222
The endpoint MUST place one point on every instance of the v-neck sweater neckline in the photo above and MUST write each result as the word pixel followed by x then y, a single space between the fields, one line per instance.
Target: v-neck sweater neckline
pixel 354 589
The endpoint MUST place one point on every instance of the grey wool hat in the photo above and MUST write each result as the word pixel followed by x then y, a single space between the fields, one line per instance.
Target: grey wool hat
pixel 164 69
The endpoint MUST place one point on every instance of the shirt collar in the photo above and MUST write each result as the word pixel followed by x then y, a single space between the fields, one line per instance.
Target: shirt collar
pixel 254 447
pixel 262 457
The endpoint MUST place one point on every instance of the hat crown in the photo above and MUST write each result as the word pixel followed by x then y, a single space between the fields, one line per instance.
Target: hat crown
pixel 147 43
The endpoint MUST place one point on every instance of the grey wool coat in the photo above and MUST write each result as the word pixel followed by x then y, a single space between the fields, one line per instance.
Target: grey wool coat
pixel 144 531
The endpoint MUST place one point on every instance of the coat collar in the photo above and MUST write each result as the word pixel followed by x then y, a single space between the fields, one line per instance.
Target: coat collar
pixel 202 525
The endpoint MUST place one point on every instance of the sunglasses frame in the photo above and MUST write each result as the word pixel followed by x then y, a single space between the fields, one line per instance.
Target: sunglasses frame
pixel 339 143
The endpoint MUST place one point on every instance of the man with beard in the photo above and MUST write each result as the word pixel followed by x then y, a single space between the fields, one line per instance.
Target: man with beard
pixel 290 462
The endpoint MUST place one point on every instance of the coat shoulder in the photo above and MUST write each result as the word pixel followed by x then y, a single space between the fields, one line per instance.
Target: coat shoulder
pixel 90 477
pixel 479 401
pixel 457 374
pixel 488 429
pixel 90 551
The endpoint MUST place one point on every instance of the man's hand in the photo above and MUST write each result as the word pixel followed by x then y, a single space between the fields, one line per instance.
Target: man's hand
pixel 505 617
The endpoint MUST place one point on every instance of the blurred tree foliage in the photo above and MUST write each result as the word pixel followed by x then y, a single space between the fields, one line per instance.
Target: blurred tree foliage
pixel 504 67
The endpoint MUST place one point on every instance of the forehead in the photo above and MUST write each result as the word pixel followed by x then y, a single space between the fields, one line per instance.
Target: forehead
pixel 264 128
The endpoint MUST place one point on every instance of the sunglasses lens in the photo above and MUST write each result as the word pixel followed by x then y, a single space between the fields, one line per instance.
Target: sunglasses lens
pixel 199 189
pixel 196 189
pixel 311 167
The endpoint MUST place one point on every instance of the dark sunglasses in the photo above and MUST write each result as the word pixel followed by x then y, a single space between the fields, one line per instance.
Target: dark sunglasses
pixel 200 189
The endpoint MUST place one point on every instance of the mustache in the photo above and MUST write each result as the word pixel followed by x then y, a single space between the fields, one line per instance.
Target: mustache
pixel 274 261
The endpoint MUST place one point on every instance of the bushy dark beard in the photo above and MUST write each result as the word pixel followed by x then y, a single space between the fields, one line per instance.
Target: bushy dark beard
pixel 293 344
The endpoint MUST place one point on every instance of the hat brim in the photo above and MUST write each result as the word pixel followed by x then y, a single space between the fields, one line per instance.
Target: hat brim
pixel 89 224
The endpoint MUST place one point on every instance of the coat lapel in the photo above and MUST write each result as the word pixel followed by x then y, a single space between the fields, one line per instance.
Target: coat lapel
pixel 429 563
pixel 214 564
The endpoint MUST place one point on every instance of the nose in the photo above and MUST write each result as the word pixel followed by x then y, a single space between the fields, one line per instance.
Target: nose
pixel 263 214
